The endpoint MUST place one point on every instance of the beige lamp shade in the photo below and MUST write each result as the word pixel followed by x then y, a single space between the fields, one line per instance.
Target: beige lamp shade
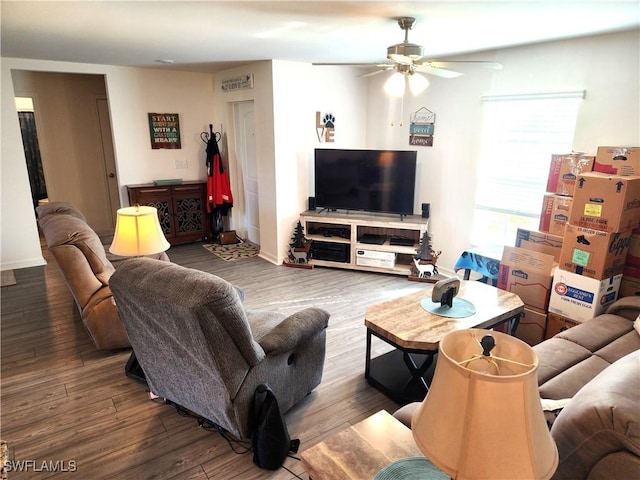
pixel 138 232
pixel 482 418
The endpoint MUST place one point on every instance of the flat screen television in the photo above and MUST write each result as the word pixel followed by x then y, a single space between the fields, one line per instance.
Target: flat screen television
pixel 369 180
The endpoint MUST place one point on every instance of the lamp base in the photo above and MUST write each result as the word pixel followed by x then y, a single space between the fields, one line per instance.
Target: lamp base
pixel 412 468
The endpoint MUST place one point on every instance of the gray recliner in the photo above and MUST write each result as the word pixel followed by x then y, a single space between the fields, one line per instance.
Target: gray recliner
pixel 201 349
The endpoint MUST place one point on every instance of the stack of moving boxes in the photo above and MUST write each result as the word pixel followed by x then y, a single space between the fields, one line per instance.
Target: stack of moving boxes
pixel 571 269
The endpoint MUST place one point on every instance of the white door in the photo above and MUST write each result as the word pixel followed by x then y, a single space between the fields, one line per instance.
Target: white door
pixel 248 166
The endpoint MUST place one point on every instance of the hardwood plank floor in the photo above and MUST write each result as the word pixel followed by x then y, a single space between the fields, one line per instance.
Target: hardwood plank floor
pixel 64 401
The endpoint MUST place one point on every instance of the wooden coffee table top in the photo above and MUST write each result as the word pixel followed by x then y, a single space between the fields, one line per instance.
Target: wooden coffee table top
pixel 406 323
pixel 361 450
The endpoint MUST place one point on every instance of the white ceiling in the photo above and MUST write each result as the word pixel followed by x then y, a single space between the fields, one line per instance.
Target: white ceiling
pixel 214 35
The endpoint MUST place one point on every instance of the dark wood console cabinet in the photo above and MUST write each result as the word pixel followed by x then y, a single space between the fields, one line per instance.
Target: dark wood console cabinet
pixel 181 208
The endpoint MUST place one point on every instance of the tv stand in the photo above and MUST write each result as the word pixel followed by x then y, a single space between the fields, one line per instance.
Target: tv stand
pixel 345 231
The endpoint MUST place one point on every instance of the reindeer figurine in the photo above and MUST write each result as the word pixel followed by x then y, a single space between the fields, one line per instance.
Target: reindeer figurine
pixel 426 258
pixel 427 268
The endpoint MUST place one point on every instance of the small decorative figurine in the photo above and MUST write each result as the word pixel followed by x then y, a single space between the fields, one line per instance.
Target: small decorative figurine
pixel 424 261
pixel 298 249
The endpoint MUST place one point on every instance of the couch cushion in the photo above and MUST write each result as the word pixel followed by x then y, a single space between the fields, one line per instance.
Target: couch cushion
pixel 598 332
pixel 571 380
pixel 573 357
pixel 64 208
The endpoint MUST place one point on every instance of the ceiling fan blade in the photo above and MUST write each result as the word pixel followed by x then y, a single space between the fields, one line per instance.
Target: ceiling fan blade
pixel 436 71
pixel 347 64
pixel 376 72
pixel 454 63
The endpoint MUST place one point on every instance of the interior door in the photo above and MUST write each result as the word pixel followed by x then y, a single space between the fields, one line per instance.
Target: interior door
pixel 108 157
pixel 248 166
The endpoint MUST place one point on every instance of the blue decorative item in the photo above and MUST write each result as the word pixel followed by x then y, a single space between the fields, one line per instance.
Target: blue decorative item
pixel 412 468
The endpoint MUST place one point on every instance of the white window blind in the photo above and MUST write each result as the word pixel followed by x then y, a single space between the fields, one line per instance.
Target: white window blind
pixel 519 134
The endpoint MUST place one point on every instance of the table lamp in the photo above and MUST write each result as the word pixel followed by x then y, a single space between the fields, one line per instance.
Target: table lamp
pixel 482 417
pixel 138 232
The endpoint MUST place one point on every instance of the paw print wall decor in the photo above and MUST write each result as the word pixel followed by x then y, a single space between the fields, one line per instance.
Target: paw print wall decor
pixel 325 127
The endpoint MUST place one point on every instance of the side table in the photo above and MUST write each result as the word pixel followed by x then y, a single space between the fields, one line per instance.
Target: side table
pixel 360 451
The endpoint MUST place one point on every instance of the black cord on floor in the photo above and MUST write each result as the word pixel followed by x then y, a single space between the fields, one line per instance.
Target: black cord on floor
pixel 239 447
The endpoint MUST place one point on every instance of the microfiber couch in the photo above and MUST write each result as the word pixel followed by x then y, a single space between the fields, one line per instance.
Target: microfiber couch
pixel 201 349
pixel 87 268
pixel 593 370
pixel 597 366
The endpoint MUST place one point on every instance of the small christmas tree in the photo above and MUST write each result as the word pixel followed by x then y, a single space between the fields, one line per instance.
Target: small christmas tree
pixel 424 250
pixel 298 239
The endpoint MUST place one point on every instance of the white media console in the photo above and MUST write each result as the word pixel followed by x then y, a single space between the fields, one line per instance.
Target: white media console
pixel 363 241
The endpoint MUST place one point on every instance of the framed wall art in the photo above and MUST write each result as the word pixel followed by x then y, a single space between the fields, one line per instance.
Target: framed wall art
pixel 165 130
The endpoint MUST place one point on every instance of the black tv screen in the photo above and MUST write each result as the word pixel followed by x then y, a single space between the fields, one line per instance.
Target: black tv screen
pixel 369 180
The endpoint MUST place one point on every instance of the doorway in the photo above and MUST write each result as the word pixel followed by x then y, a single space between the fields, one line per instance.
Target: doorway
pixel 75 141
pixel 29 132
pixel 244 133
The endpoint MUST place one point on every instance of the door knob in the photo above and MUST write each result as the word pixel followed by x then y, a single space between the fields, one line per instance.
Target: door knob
pixel 112 175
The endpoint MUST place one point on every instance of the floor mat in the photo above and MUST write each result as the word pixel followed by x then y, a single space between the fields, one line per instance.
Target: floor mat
pixel 7 278
pixel 234 251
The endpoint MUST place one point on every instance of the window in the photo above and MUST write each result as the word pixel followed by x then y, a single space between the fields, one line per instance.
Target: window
pixel 519 135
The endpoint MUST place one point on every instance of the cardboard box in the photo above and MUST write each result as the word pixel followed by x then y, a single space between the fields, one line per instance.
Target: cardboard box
pixel 629 287
pixel 532 326
pixel 606 202
pixel 581 298
pixel 542 242
pixel 564 169
pixel 633 255
pixel 555 213
pixel 594 253
pixel 618 160
pixel 558 323
pixel 528 274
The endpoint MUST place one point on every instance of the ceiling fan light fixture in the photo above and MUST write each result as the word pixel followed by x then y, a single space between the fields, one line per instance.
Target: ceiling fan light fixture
pixel 405 52
pixel 418 83
pixel 395 84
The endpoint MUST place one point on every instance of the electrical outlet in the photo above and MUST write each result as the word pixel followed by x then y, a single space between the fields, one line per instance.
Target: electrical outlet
pixel 181 164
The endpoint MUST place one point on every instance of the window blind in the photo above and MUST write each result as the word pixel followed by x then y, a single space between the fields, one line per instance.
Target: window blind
pixel 519 134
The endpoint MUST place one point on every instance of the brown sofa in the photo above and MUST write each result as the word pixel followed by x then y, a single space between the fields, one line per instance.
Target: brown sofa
pixel 597 365
pixel 594 370
pixel 87 267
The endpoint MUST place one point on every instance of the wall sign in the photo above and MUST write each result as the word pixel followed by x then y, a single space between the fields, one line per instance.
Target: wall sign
pixel 422 127
pixel 325 127
pixel 241 82
pixel 165 130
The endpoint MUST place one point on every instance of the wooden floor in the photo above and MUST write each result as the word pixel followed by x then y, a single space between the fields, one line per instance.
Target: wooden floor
pixel 69 405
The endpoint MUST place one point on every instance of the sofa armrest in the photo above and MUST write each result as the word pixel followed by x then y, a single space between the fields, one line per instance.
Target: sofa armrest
pixel 628 307
pixel 601 419
pixel 294 330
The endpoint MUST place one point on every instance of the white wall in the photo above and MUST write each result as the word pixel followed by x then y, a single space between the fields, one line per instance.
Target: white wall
pixel 328 90
pixel 133 93
pixel 262 96
pixel 286 97
pixel 607 67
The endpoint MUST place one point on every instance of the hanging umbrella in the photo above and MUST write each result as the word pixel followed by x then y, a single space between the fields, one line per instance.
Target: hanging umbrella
pixel 219 196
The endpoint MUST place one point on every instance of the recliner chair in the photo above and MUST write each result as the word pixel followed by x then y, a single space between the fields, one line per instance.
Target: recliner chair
pixel 201 349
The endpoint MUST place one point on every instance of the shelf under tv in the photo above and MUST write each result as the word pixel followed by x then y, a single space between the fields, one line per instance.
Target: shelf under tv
pixel 351 226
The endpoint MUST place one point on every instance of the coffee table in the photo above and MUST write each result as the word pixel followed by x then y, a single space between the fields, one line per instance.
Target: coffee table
pixel 361 450
pixel 403 374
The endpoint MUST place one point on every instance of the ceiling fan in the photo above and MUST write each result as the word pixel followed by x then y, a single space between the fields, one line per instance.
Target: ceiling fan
pixel 408 59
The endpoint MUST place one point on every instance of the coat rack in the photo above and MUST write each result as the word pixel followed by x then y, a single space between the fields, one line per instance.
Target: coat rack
pixel 206 136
